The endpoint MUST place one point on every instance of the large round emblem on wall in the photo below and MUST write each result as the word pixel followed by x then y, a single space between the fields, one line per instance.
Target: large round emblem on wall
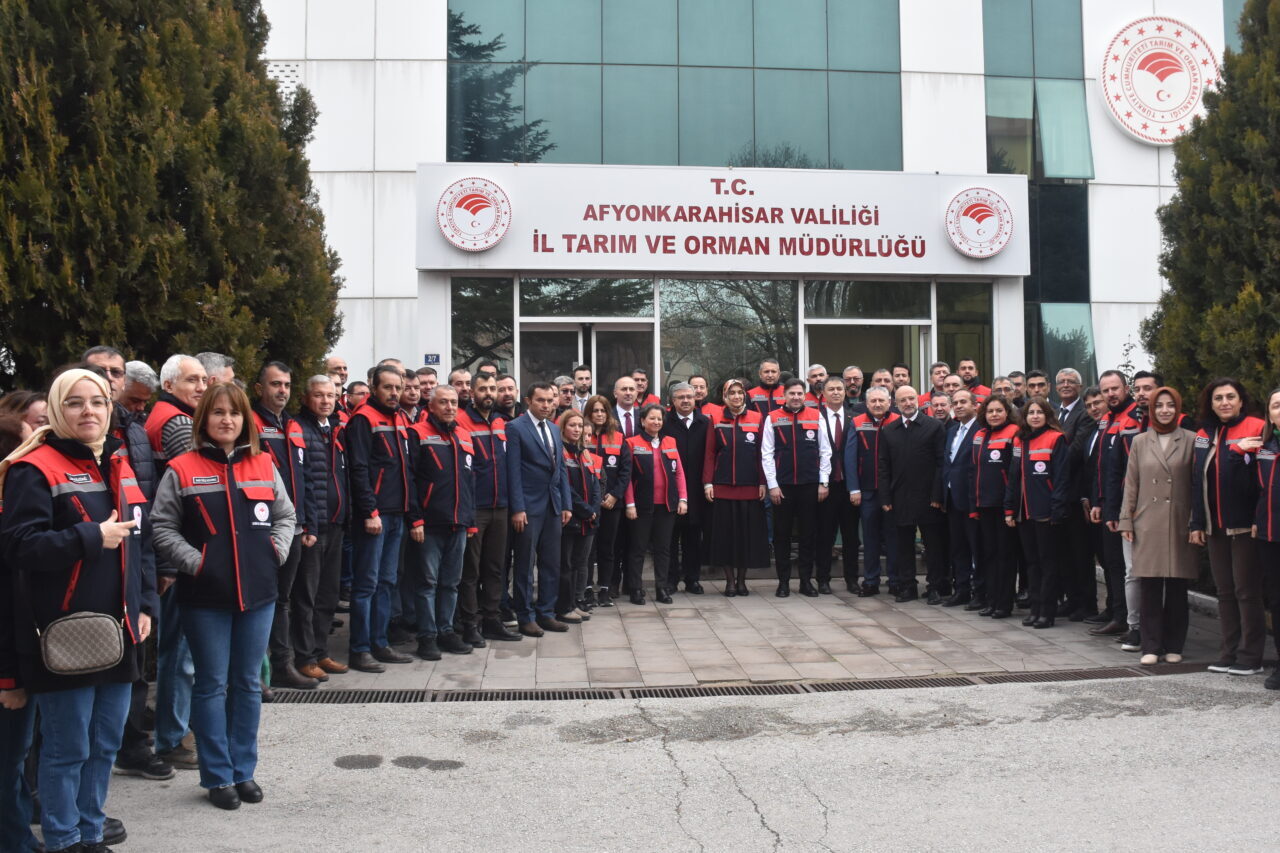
pixel 474 214
pixel 1153 78
pixel 979 222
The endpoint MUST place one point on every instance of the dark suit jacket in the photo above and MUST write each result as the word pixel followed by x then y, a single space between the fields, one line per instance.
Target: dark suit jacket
pixel 1084 462
pixel 1075 417
pixel 533 477
pixel 911 460
pixel 848 433
pixel 957 474
pixel 692 444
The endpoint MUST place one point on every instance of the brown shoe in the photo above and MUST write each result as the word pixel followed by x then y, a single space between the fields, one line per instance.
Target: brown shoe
pixel 530 629
pixel 331 666
pixel 570 617
pixel 549 624
pixel 1111 628
pixel 311 670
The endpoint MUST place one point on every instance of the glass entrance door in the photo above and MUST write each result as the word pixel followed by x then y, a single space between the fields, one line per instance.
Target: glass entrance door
pixel 618 349
pixel 548 350
pixel 870 346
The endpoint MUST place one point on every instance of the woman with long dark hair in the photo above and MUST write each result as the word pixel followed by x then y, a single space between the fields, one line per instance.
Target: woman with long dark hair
pixel 998 544
pixel 606 442
pixel 734 486
pixel 655 496
pixel 583 471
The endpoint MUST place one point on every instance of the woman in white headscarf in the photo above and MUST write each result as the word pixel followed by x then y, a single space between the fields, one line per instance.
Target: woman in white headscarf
pixel 72 534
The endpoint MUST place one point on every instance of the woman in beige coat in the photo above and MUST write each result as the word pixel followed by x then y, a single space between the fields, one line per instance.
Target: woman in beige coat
pixel 1155 516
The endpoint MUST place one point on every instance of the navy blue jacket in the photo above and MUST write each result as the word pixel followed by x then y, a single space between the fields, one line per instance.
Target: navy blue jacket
pixel 957 473
pixel 325 469
pixel 535 479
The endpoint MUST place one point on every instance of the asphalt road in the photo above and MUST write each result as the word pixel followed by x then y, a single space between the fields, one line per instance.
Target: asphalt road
pixel 1167 763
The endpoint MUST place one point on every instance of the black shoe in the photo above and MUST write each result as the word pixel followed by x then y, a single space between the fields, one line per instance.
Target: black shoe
pixel 784 589
pixel 637 596
pixel 1222 665
pixel 453 644
pixel 867 590
pixel 1043 622
pixel 268 695
pixel 977 604
pixel 508 617
pixel 694 588
pixel 113 831
pixel 604 598
pixel 100 847
pixel 285 674
pixel 249 792
pixel 493 629
pixel 1078 615
pixel 824 588
pixel 1023 600
pixel 935 597
pixel 1001 614
pixel 398 636
pixel 957 599
pixel 909 593
pixel 1132 641
pixel 986 611
pixel 1101 618
pixel 145 764
pixel 1273 680
pixel 1030 619
pixel 662 596
pixel 1110 629
pixel 225 797
pixel 729 591
pixel 364 662
pixel 808 589
pixel 428 649
pixel 386 654
pixel 740 588
pixel 589 599
pixel 471 634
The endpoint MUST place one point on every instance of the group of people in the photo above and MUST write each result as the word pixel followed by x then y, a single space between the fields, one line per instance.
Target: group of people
pixel 451 514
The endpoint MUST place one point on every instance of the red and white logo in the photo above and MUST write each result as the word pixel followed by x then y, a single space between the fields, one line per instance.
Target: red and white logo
pixel 979 222
pixel 474 214
pixel 261 511
pixel 1153 78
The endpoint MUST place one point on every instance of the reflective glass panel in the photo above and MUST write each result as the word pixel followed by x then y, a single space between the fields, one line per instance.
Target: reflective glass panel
pixel 1058 43
pixel 641 115
pixel 829 300
pixel 567 99
pixel 866 346
pixel 862 35
pixel 483 321
pixel 640 33
pixel 495 19
pixel 563 31
pixel 791 119
pixel 722 329
pixel 1060 243
pixel 486 114
pixel 866 120
pixel 791 33
pixel 1010 109
pixel 964 325
pixel 586 297
pixel 546 354
pixel 715 32
pixel 1232 10
pixel 618 352
pixel 1066 338
pixel 716 121
pixel 1006 37
pixel 1064 129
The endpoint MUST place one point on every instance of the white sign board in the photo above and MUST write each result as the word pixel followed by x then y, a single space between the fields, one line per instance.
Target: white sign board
pixel 717 220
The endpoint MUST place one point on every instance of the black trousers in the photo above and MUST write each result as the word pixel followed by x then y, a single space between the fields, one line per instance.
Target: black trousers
pixel 999 558
pixel 651 531
pixel 1164 617
pixel 962 533
pixel 686 545
pixel 795 512
pixel 575 550
pixel 1113 570
pixel 611 547
pixel 931 535
pixel 320 572
pixel 1079 581
pixel 281 641
pixel 1269 560
pixel 1043 546
pixel 837 515
pixel 480 589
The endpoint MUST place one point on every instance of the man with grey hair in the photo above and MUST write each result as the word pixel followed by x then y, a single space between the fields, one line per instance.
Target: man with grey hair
pixel 861 471
pixel 817 378
pixel 219 367
pixel 140 383
pixel 1068 383
pixel 689 428
pixel 564 394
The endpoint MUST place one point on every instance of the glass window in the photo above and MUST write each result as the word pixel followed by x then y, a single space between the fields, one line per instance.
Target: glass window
pixel 867 346
pixel 964 325
pixel 1063 127
pixel 486 115
pixel 1059 231
pixel 791 119
pixel 483 321
pixel 1232 11
pixel 873 300
pixel 618 352
pixel 715 32
pixel 716 121
pixel 563 31
pixel 641 115
pixel 1010 119
pixel 546 354
pixel 862 35
pixel 866 121
pixel 586 297
pixel 640 33
pixel 1058 43
pixel 1061 335
pixel 1006 37
pixel 791 33
pixel 567 99
pixel 722 329
pixel 493 19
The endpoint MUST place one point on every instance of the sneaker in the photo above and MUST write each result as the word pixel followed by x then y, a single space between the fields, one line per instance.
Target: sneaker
pixel 1223 665
pixel 509 617
pixel 181 757
pixel 1132 641
pixel 145 764
pixel 588 599
pixel 1243 669
pixel 604 598
pixel 1273 680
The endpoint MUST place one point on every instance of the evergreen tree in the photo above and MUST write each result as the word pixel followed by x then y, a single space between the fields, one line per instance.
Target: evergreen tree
pixel 155 192
pixel 1221 313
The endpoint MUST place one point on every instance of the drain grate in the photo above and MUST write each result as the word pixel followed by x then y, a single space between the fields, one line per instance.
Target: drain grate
pixel 694 691
pixel 567 695
pixel 1059 675
pixel 889 683
pixel 350 697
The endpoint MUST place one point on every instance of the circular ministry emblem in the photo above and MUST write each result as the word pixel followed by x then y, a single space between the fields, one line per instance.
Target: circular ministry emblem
pixel 995 456
pixel 810 434
pixel 137 519
pixel 751 438
pixel 1153 78
pixel 979 222
pixel 613 461
pixel 1041 467
pixel 261 511
pixel 473 214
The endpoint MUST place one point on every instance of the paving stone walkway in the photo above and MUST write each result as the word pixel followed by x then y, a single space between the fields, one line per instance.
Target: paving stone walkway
pixel 700 639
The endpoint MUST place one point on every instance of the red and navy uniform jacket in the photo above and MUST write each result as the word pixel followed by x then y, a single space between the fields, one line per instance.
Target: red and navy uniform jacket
pixel 489 461
pixel 980 392
pixel 1126 424
pixel 795 445
pixel 812 400
pixel 55 498
pixel 1039 478
pixel 1267 514
pixel 1224 486
pixel 708 408
pixel 733 449
pixel 417 416
pixel 649 400
pixel 643 458
pixel 380 461
pixel 326 469
pixel 992 453
pixel 615 460
pixel 443 478
pixel 583 471
pixel 862 455
pixel 765 398
pixel 226 515
pixel 166 409
pixel 281 439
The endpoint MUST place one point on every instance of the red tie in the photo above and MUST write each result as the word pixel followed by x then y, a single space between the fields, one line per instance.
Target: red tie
pixel 839 432
pixel 628 425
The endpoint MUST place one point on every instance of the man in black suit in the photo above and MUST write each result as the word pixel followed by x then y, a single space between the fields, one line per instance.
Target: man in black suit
pixel 957 478
pixel 912 452
pixel 689 429
pixel 1071 409
pixel 836 514
pixel 1086 543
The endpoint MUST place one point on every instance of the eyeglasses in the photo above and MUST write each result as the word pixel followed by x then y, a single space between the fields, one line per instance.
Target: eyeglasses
pixel 117 372
pixel 79 404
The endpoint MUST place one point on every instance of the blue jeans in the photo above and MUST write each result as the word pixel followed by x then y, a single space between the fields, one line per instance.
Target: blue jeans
pixel 437 592
pixel 228 647
pixel 174 675
pixel 377 560
pixel 538 543
pixel 877 539
pixel 16 728
pixel 80 733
